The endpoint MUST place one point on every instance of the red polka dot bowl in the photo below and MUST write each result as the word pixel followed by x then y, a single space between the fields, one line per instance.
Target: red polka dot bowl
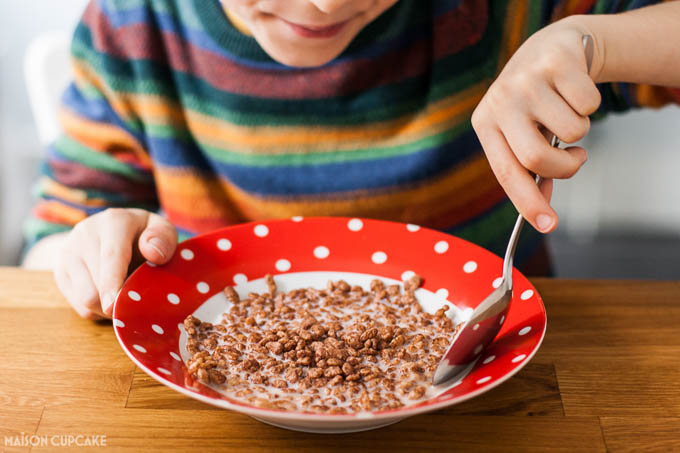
pixel 301 252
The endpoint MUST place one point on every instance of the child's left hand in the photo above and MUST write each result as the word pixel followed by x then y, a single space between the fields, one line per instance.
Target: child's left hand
pixel 544 86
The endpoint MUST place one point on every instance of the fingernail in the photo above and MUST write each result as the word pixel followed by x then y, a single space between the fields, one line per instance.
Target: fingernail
pixel 544 222
pixel 109 298
pixel 158 245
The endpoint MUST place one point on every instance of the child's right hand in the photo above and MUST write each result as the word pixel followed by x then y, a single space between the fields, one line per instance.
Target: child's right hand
pixel 546 85
pixel 99 250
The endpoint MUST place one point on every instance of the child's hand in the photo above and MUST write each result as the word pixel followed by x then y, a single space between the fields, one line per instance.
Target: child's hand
pixel 544 86
pixel 98 251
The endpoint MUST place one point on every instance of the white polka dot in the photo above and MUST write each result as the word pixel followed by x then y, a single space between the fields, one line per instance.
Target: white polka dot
pixel 412 228
pixel 240 279
pixel 134 295
pixel 442 293
pixel 118 323
pixel 441 247
pixel 526 294
pixel 173 298
pixel 355 224
pixel 224 244
pixel 519 358
pixel 525 330
pixel 261 230
pixel 475 327
pixel 484 379
pixel 406 275
pixel 187 254
pixel 158 329
pixel 282 265
pixel 175 356
pixel 321 252
pixel 502 320
pixel 496 283
pixel 139 348
pixel 470 267
pixel 489 359
pixel 297 218
pixel 379 257
pixel 203 287
pixel 164 371
pixel 478 349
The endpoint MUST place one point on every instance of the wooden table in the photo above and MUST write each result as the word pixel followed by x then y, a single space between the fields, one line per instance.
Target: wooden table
pixel 607 378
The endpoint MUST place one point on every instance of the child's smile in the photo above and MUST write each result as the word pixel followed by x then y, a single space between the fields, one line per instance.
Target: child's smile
pixel 316 31
pixel 304 33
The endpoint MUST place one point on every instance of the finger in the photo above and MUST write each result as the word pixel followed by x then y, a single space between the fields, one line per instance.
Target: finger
pixel 158 241
pixel 546 188
pixel 63 280
pixel 555 114
pixel 516 181
pixel 579 91
pixel 82 293
pixel 535 153
pixel 73 290
pixel 88 314
pixel 88 247
pixel 119 230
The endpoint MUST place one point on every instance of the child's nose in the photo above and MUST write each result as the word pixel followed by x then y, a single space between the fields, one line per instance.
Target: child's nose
pixel 328 6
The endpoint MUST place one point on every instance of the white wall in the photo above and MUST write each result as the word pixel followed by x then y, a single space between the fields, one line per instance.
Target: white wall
pixel 631 182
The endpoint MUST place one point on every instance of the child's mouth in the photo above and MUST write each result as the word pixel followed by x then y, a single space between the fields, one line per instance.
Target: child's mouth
pixel 310 31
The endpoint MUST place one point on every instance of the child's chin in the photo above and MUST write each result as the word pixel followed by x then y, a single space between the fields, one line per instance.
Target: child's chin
pixel 304 61
pixel 300 59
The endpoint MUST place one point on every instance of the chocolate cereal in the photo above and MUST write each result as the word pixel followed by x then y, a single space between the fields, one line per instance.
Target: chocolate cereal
pixel 338 350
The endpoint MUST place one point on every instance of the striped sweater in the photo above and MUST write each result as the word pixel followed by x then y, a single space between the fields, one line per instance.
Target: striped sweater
pixel 172 109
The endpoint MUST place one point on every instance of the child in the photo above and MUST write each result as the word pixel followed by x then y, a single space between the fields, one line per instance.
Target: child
pixel 214 114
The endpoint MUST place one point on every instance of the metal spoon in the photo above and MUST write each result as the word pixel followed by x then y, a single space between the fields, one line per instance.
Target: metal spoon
pixel 488 318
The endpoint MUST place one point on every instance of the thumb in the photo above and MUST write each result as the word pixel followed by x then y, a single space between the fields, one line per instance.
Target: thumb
pixel 158 241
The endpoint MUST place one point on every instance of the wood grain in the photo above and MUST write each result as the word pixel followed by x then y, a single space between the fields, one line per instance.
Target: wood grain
pixel 616 351
pixel 622 316
pixel 619 387
pixel 58 340
pixel 71 389
pixel 627 434
pixel 23 289
pixel 605 379
pixel 17 421
pixel 201 430
pixel 51 356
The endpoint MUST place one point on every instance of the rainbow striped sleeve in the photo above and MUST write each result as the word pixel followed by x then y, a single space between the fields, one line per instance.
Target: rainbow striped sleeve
pixel 99 161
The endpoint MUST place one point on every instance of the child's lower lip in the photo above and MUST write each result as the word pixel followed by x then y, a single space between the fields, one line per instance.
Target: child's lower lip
pixel 317 32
